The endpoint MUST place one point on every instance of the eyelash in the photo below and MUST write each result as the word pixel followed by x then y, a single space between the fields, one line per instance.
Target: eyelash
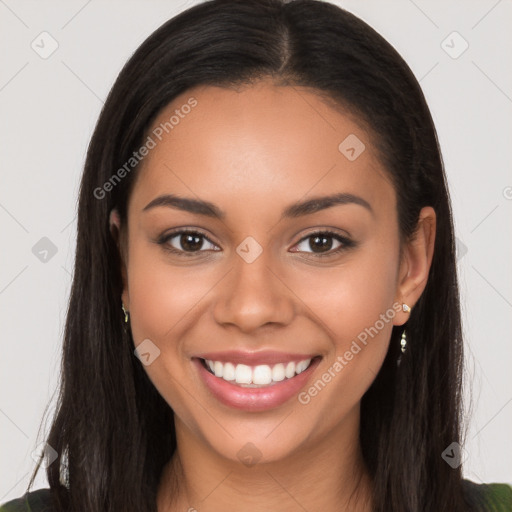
pixel 346 242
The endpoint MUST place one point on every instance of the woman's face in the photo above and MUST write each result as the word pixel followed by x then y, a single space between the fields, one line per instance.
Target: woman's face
pixel 259 277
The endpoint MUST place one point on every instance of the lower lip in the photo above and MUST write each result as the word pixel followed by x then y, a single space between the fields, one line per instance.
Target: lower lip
pixel 254 399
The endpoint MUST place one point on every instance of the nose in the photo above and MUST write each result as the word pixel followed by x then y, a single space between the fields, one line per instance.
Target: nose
pixel 254 295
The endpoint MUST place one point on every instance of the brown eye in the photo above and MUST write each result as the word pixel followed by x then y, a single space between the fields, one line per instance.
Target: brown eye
pixel 183 242
pixel 323 243
pixel 190 242
pixel 320 243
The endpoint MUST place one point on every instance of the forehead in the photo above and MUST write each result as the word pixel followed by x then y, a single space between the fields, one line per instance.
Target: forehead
pixel 264 144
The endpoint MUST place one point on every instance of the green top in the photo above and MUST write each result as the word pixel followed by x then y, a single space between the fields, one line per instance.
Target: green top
pixel 487 498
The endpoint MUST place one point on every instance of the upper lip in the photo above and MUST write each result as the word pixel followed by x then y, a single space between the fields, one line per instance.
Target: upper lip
pixel 269 357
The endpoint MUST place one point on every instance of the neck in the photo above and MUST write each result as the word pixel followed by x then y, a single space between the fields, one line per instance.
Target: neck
pixel 329 475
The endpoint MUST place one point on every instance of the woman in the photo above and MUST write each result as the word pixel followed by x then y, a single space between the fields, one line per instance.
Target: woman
pixel 264 312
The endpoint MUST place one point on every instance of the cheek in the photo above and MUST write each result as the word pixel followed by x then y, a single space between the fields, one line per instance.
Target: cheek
pixel 354 302
pixel 352 296
pixel 165 300
pixel 163 297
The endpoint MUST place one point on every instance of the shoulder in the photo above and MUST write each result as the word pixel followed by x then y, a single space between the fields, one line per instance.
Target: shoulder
pixel 34 501
pixel 493 497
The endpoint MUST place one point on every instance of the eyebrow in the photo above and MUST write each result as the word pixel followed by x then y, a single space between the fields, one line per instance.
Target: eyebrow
pixel 295 210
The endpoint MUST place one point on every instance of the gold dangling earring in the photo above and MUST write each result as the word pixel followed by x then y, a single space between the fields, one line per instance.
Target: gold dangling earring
pixel 125 313
pixel 403 345
pixel 403 340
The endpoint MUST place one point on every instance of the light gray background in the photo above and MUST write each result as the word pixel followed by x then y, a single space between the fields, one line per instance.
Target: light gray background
pixel 48 110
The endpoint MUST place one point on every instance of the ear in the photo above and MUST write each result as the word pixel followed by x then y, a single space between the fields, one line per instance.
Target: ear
pixel 416 261
pixel 115 223
pixel 115 231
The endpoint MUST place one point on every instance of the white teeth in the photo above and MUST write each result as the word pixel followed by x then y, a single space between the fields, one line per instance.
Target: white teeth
pixel 261 375
pixel 243 374
pixel 278 372
pixel 289 370
pixel 302 365
pixel 229 371
pixel 217 368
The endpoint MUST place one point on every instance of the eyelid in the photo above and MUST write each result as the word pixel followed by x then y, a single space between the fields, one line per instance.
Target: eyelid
pixel 327 230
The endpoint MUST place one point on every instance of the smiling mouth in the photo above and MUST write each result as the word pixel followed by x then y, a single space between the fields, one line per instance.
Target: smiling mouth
pixel 256 376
